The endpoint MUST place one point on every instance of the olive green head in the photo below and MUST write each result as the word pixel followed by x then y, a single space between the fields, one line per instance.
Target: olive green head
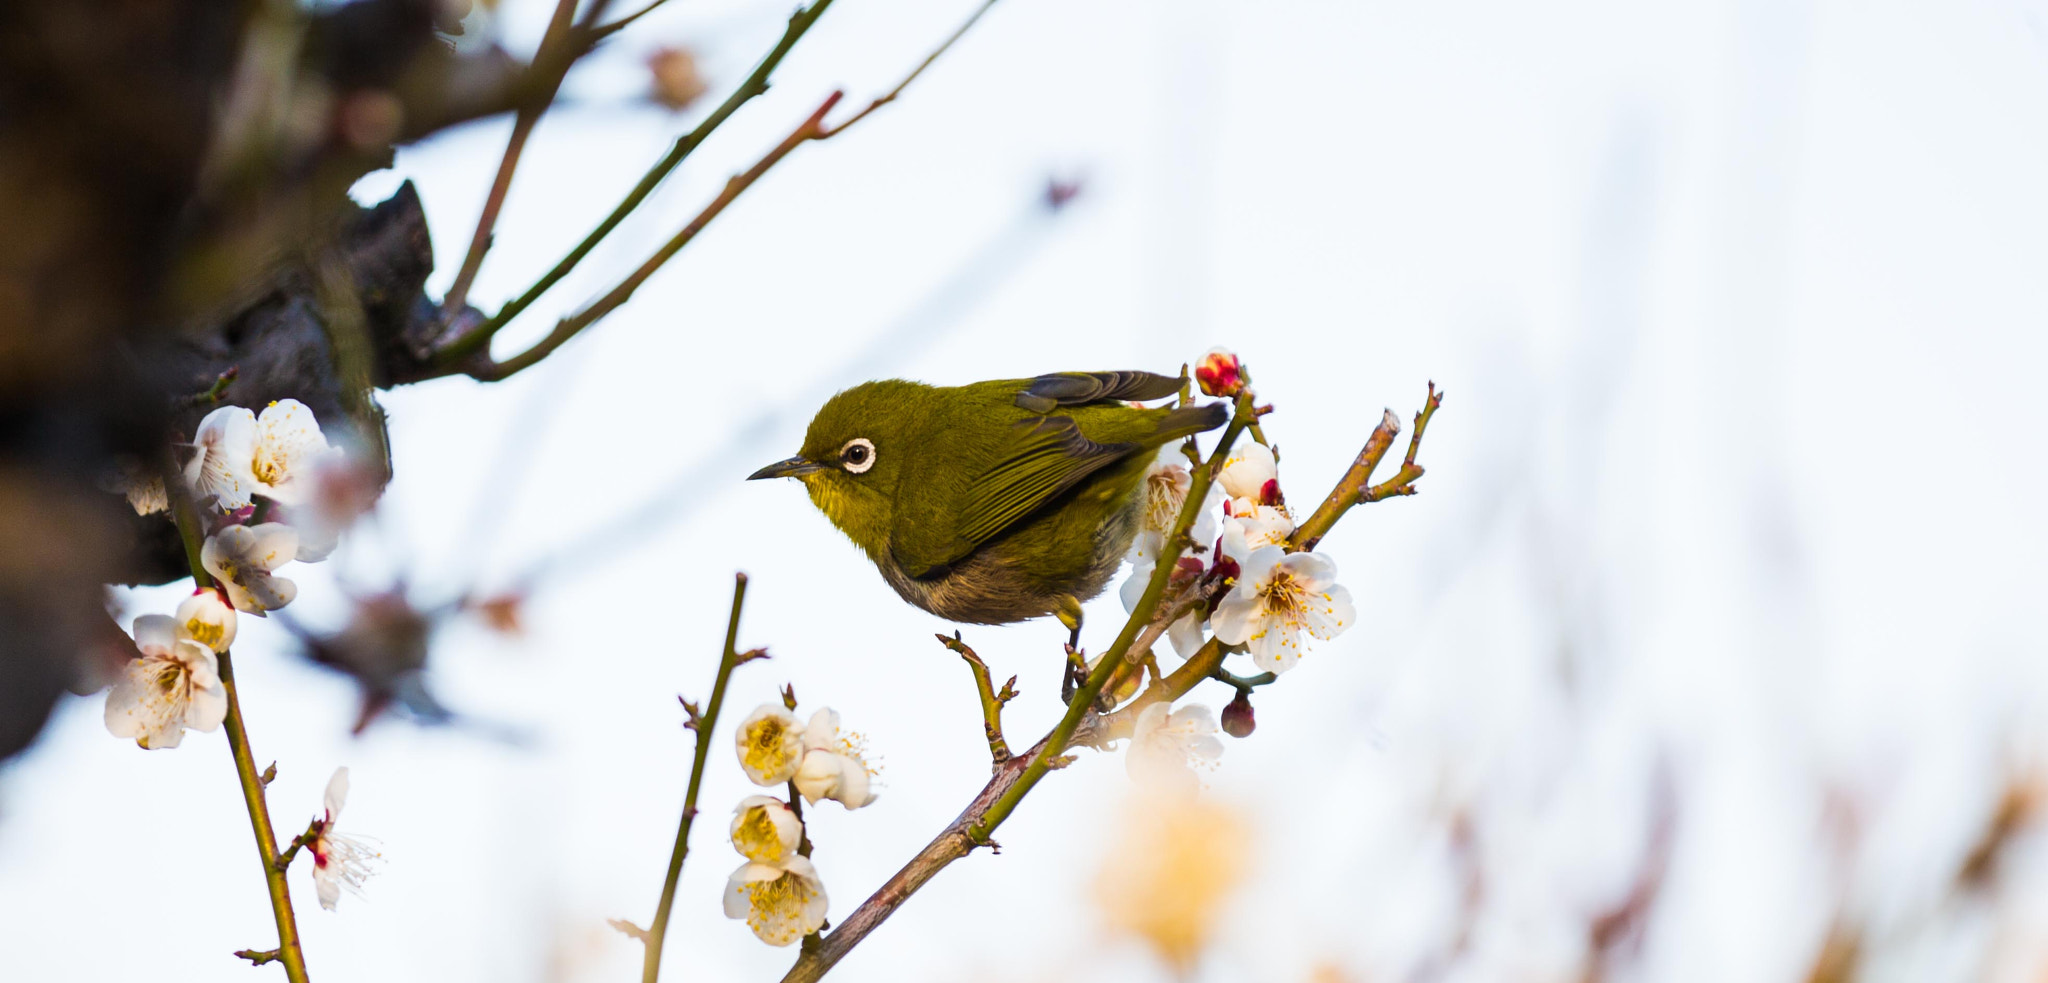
pixel 854 456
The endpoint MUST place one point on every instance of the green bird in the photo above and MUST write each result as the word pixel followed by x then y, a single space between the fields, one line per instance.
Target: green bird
pixel 998 501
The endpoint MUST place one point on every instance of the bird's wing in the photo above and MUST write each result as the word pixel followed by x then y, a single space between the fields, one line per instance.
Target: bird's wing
pixel 1049 392
pixel 1045 456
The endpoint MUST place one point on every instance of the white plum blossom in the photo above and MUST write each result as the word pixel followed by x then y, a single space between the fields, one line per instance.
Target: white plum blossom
pixel 1168 744
pixel 175 685
pixel 781 902
pixel 1278 596
pixel 221 456
pixel 288 448
pixel 1166 490
pixel 242 559
pixel 1250 472
pixel 1186 631
pixel 1250 527
pixel 765 830
pixel 835 765
pixel 339 861
pixel 771 745
pixel 207 618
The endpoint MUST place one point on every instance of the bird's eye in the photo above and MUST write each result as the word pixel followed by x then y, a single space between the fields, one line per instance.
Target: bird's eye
pixel 858 455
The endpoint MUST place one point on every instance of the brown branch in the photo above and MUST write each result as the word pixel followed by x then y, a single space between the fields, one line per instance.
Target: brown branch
pixel 914 73
pixel 991 700
pixel 812 128
pixel 550 66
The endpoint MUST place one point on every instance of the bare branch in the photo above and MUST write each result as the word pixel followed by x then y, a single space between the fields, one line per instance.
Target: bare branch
pixel 991 701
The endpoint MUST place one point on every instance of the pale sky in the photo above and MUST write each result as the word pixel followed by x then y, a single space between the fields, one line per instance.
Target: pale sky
pixel 1738 308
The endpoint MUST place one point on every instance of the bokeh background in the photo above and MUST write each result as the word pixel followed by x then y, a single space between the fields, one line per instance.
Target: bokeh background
pixel 1713 635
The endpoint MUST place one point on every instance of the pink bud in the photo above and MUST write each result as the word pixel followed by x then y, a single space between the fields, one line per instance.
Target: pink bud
pixel 1237 716
pixel 1219 373
pixel 1269 493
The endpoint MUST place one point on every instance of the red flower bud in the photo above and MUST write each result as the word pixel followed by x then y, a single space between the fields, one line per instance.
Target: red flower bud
pixel 1237 716
pixel 1219 373
pixel 1269 493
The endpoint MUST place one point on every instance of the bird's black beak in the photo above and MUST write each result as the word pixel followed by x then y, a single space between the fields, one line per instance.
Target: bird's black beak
pixel 795 467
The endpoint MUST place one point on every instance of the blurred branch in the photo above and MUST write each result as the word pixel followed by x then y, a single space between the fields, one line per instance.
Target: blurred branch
pixel 471 345
pixel 991 700
pixel 651 967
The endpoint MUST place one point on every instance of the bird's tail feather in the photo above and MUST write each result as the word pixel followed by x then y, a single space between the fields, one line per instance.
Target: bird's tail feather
pixel 1185 420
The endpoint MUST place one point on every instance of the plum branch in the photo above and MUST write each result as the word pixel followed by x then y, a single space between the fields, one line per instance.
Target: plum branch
pixel 1083 723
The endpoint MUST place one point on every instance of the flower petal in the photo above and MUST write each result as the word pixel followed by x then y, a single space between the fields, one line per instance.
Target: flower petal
pixel 1233 620
pixel 770 745
pixel 823 729
pixel 337 793
pixel 156 634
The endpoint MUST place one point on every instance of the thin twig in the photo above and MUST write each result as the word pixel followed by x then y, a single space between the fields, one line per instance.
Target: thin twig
pixel 552 63
pixel 471 344
pixel 991 701
pixel 1403 482
pixel 287 951
pixel 650 969
pixel 607 30
pixel 914 73
pixel 569 327
pixel 1355 480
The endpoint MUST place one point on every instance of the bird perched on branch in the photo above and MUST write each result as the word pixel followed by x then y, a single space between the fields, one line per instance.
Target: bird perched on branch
pixel 997 501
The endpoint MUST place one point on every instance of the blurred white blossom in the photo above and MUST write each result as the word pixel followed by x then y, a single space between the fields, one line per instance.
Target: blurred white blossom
pixel 835 765
pixel 242 558
pixel 1168 744
pixel 1168 874
pixel 175 685
pixel 781 902
pixel 771 745
pixel 1280 595
pixel 1186 631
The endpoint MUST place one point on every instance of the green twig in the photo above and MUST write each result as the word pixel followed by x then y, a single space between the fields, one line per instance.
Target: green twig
pixel 471 344
pixel 650 969
pixel 287 951
pixel 567 328
pixel 991 700
pixel 914 73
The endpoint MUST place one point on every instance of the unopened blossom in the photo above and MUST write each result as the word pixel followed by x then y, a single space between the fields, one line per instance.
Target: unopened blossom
pixel 339 861
pixel 781 902
pixel 289 447
pixel 835 765
pixel 771 745
pixel 222 452
pixel 1168 744
pixel 676 81
pixel 174 686
pixel 1279 596
pixel 242 559
pixel 1186 631
pixel 1168 875
pixel 1238 718
pixel 1219 373
pixel 1251 473
pixel 207 618
pixel 765 830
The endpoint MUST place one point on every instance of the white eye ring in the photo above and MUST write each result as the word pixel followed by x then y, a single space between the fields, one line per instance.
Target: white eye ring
pixel 857 456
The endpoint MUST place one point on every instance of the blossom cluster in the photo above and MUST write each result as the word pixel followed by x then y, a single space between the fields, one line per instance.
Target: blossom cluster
pixel 1242 581
pixel 271 490
pixel 777 890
